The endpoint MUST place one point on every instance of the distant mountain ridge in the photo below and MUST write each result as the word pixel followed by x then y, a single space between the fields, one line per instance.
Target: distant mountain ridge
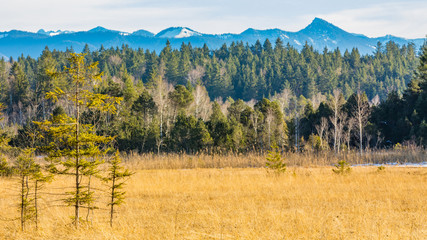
pixel 319 34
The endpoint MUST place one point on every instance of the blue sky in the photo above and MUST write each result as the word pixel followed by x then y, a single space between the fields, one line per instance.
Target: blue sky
pixel 370 17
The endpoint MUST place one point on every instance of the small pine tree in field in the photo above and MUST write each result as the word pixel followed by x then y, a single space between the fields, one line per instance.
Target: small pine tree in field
pixel 75 148
pixel 24 168
pixel 39 178
pixel 342 167
pixel 381 168
pixel 115 179
pixel 275 161
pixel 31 179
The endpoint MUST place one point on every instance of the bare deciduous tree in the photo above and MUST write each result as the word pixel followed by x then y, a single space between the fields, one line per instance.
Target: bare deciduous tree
pixel 283 98
pixel 347 134
pixel 299 109
pixel 317 99
pixel 361 113
pixel 375 101
pixel 254 119
pixel 202 104
pixel 321 128
pixel 160 93
pixel 195 74
pixel 115 60
pixel 269 119
pixel 335 102
pixel 342 120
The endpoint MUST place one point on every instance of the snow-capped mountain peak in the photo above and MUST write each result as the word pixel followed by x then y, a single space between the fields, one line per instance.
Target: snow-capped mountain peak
pixel 177 32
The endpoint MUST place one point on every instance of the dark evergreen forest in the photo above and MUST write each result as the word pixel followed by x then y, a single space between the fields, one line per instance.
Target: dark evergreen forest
pixel 237 98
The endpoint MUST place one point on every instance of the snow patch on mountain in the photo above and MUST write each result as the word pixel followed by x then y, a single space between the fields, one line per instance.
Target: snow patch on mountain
pixel 297 42
pixel 223 36
pixel 187 33
pixel 283 36
pixel 53 33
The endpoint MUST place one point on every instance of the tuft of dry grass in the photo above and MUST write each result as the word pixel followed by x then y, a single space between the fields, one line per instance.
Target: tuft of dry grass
pixel 237 203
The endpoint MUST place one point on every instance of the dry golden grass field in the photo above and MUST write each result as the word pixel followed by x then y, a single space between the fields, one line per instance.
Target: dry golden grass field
pixel 239 203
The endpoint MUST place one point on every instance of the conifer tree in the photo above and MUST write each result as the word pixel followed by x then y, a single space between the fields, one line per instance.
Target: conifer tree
pixel 219 128
pixel 180 98
pixel 24 168
pixel 19 91
pixel 116 176
pixel 189 134
pixel 20 85
pixel 4 85
pixel 44 83
pixel 5 169
pixel 129 92
pixel 3 136
pixel 76 149
pixel 39 178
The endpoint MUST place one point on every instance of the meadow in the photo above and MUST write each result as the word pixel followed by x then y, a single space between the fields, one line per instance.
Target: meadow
pixel 235 197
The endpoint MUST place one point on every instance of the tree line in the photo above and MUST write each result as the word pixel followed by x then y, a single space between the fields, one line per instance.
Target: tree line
pixel 239 71
pixel 238 98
